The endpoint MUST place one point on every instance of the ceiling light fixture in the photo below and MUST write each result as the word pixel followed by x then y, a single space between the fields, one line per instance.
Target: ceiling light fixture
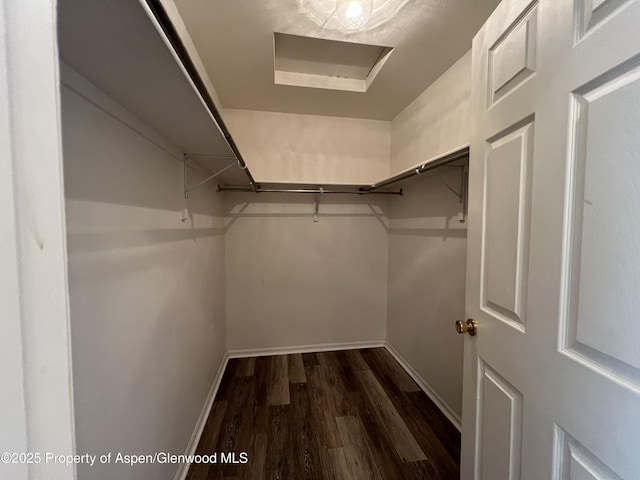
pixel 353 14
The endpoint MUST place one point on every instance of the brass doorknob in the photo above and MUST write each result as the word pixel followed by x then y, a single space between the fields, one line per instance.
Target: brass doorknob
pixel 470 327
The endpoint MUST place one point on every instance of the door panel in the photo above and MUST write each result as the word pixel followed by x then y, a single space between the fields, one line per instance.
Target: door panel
pixel 512 59
pixel 574 462
pixel 604 245
pixel 499 427
pixel 590 14
pixel 553 256
pixel 506 232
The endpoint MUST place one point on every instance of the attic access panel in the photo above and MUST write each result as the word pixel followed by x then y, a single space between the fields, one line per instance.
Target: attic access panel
pixel 329 64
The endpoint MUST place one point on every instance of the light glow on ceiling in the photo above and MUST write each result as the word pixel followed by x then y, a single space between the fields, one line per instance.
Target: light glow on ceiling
pixel 350 15
pixel 353 14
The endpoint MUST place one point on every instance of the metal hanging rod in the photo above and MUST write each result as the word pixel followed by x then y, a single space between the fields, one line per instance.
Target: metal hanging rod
pixel 234 188
pixel 445 160
pixel 181 52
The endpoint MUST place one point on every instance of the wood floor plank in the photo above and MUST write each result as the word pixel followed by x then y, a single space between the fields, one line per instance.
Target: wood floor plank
pixel 404 442
pixel 296 368
pixel 354 358
pixel 212 428
pixel 440 455
pixel 383 363
pixel 336 383
pixel 423 469
pixel 351 415
pixel 228 379
pixel 235 435
pixel 344 367
pixel 246 367
pixel 356 448
pixel 257 456
pixel 278 464
pixel 306 458
pixel 310 360
pixel 208 440
pixel 279 384
pixel 429 416
pixel 381 445
pixel 322 399
pixel 260 407
pixel 339 465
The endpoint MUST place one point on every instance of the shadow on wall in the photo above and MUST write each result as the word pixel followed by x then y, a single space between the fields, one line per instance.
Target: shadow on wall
pixel 146 291
pixel 429 207
pixel 426 288
pixel 293 282
pixel 299 205
pixel 125 191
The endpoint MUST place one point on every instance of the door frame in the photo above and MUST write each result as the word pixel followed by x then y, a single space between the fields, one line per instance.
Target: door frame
pixel 35 344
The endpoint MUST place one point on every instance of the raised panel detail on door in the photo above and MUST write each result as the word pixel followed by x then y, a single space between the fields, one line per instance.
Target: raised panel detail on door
pixel 574 462
pixel 505 252
pixel 591 13
pixel 512 59
pixel 499 429
pixel 603 267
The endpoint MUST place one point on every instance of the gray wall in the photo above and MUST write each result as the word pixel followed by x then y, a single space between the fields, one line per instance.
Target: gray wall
pixel 146 290
pixel 427 269
pixel 294 283
pixel 297 148
pixel 438 121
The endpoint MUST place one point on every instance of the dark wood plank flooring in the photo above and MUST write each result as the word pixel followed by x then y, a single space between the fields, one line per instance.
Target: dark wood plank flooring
pixel 352 414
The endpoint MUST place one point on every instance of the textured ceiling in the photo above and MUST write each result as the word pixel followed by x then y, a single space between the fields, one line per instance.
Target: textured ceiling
pixel 235 41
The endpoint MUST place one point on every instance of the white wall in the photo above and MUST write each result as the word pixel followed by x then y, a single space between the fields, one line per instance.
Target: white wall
pixel 427 244
pixel 146 290
pixel 435 123
pixel 295 283
pixel 427 270
pixel 286 147
pixel 292 282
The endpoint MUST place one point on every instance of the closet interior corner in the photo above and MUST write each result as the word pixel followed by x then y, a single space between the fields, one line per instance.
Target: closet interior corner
pixel 197 232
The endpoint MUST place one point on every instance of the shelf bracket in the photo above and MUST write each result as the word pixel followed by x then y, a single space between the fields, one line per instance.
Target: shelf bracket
pixel 185 165
pixel 461 194
pixel 316 205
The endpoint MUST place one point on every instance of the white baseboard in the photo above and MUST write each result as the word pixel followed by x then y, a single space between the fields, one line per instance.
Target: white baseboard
pixel 437 399
pixel 325 347
pixel 183 469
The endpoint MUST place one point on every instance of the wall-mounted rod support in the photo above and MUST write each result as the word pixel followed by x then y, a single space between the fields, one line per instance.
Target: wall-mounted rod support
pixel 457 193
pixel 173 37
pixel 316 206
pixel 462 193
pixel 234 188
pixel 185 178
pixel 188 189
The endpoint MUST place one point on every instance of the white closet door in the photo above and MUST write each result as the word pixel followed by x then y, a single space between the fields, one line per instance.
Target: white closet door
pixel 552 378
